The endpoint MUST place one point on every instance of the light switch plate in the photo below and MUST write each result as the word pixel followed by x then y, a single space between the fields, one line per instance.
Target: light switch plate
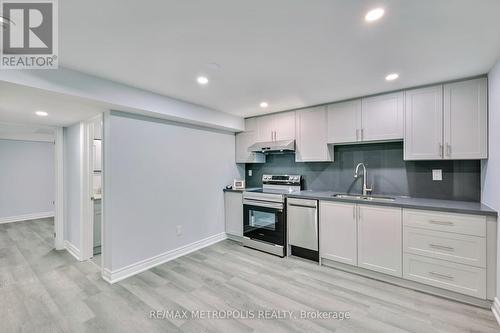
pixel 249 173
pixel 437 174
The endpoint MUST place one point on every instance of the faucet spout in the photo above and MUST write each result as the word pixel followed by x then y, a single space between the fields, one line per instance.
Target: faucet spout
pixel 356 175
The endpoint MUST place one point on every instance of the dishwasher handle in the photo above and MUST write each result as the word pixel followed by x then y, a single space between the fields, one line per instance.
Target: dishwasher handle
pixel 303 206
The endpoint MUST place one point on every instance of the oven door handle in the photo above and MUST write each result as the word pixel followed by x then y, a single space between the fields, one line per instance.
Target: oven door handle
pixel 265 204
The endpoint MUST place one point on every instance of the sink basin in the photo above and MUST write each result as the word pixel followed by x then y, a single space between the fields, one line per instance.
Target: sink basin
pixel 364 197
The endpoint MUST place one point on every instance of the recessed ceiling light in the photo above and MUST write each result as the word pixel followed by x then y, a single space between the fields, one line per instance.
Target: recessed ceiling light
pixel 264 105
pixel 392 77
pixel 374 14
pixel 202 80
pixel 41 113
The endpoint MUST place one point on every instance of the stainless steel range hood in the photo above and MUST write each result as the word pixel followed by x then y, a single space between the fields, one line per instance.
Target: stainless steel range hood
pixel 273 146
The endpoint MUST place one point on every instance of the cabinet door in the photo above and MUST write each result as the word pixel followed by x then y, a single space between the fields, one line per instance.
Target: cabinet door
pixel 337 232
pixel 344 122
pixel 243 141
pixel 423 139
pixel 284 126
pixel 383 117
pixel 466 120
pixel 311 135
pixel 265 128
pixel 380 245
pixel 233 205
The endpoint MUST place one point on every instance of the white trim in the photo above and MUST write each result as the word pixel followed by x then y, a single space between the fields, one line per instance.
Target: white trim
pixel 85 194
pixel 143 265
pixel 235 238
pixel 496 309
pixel 59 189
pixel 73 250
pixel 26 217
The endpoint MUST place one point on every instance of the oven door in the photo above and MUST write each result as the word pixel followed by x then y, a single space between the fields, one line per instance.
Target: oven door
pixel 264 221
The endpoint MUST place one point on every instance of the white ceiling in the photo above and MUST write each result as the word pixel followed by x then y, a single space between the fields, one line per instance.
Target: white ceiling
pixel 288 53
pixel 18 105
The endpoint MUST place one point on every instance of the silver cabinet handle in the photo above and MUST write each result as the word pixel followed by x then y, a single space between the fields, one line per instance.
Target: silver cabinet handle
pixel 442 276
pixel 359 213
pixel 357 134
pixel 448 149
pixel 441 247
pixel 441 222
pixel 362 133
pixel 354 212
pixel 440 147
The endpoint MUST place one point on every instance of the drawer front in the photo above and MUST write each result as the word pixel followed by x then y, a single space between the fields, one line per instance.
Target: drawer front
pixel 459 278
pixel 462 249
pixel 473 225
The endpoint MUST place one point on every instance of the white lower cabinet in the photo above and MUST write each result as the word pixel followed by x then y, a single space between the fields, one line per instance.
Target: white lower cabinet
pixel 445 250
pixel 379 239
pixel 233 207
pixel 337 232
pixel 460 278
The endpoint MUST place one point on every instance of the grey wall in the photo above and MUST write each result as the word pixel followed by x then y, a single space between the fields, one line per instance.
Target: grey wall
pixel 386 170
pixel 26 178
pixel 158 175
pixel 72 184
pixel 491 168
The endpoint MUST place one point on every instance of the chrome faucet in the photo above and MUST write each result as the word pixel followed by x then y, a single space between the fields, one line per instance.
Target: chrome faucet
pixel 365 189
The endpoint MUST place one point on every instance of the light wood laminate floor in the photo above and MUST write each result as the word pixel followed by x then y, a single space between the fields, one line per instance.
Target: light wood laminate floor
pixel 43 290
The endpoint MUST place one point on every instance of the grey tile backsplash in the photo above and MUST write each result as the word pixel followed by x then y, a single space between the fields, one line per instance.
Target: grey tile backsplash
pixel 387 171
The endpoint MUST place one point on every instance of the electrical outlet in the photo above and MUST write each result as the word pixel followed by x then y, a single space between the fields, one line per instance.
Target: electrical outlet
pixel 249 173
pixel 179 230
pixel 437 174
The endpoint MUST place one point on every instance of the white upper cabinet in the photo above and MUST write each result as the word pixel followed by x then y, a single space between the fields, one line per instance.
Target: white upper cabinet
pixel 284 126
pixel 447 122
pixel 265 128
pixel 275 127
pixel 382 117
pixel 466 120
pixel 380 245
pixel 338 234
pixel 311 135
pixel 344 122
pixel 423 139
pixel 245 140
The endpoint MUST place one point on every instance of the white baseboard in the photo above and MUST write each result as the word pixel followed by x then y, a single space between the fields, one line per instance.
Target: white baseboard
pixel 72 249
pixel 496 309
pixel 235 238
pixel 143 265
pixel 26 217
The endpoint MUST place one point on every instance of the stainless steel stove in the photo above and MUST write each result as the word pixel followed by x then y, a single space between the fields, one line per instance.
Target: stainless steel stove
pixel 264 217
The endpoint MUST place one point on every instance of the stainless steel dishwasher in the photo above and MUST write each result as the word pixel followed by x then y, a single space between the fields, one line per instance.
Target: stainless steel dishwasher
pixel 302 224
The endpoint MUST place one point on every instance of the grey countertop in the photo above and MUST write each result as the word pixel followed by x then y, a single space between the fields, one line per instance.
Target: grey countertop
pixel 241 191
pixel 451 206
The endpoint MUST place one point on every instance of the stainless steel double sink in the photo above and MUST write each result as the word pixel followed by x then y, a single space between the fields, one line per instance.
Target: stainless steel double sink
pixel 364 197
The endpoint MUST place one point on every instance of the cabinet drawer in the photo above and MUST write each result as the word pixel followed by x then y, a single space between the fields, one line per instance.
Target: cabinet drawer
pixel 462 249
pixel 460 278
pixel 473 225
